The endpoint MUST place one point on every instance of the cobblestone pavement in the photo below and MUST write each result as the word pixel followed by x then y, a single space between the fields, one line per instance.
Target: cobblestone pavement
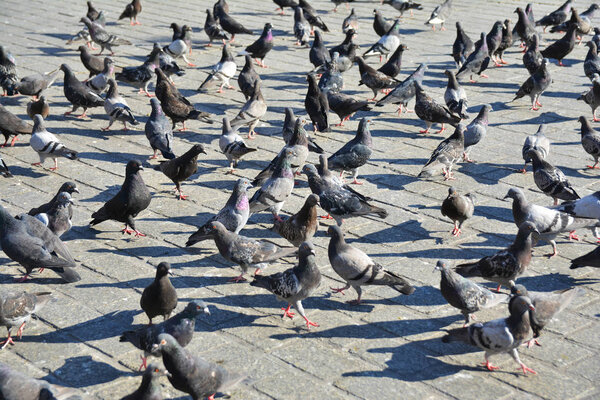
pixel 387 348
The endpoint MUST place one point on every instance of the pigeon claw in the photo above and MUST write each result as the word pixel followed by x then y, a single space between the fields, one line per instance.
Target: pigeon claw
pixel 489 366
pixel 287 312
pixel 330 217
pixel 6 342
pixel 526 369
pixel 338 290
pixel 309 323
pixel 144 363
pixel 237 279
pixel 573 236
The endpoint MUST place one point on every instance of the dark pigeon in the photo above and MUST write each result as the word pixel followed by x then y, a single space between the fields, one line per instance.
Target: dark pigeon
pixel 247 78
pixel 181 168
pixel 477 62
pixel 159 131
pixel 213 29
pixel 458 208
pixel 405 91
pixel 590 139
pixel 18 386
pixel 562 47
pixel 230 25
pixel 380 25
pixel 160 297
pixel 591 65
pixel 535 85
pixel 78 94
pixel 34 85
pixel 69 187
pixel 430 111
pixel 311 16
pixel 591 259
pixel 532 58
pixel 131 11
pixel 524 28
pixel 317 106
pixel 284 3
pixel 556 17
pixel 8 72
pixel 4 169
pixel 302 226
pixel 150 387
pixel 140 76
pixel 92 63
pixel 551 180
pixel 261 47
pixel 462 46
pixel 288 132
pixel 318 54
pixel 355 153
pixel 11 125
pixel 393 66
pixel 374 79
pixel 345 106
pixel 505 43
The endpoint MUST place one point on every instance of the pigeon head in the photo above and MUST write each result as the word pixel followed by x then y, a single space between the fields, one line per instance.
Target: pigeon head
pixel 66 69
pixel 226 126
pixel 69 187
pixel 312 200
pixel 166 342
pixel 216 227
pixel 451 191
pixel 83 49
pixel 133 166
pixel 155 104
pixel 163 269
pixel 515 194
pixel 440 265
pixel 534 155
pixel 155 372
pixel 197 149
pixel 335 232
pixel 586 127
pixel 86 21
pixel 306 249
pixel 520 304
pixel 528 228
pixel 518 289
pixel 310 170
pixel 160 75
pixel 593 7
pixel 243 185
pixel 519 11
pixel 195 308
pixel 64 198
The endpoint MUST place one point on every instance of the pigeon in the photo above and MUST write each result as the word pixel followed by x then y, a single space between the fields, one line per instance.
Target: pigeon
pixel 276 189
pixel 288 132
pixel 339 201
pixel 244 251
pixel 220 7
pixel 234 215
pixel 317 106
pixel 562 47
pixel 92 63
pixel 252 111
pixel 221 73
pixel 261 47
pixel 591 65
pixel 232 145
pixel 346 50
pixel 133 198
pixel 355 153
pixel 494 38
pixel 78 94
pixel 551 180
pixel 184 33
pixel 149 388
pixel 338 2
pixel 387 44
pixel 247 78
pixel 47 145
pixel 181 326
pixel 556 17
pixel 311 16
pixel 181 168
pixel 8 72
pixel 159 298
pixel 34 85
pixel 505 43
pixel 318 54
pixel 16 309
pixel 503 335
pixel 380 25
pixel 159 131
pixel 462 46
pixel 532 58
pixel 192 374
pixel 505 265
pixel 332 80
pixel 350 22
pixel 430 111
pixel 131 11
pixel 464 294
pixel 302 226
pixel 596 37
pixel 548 221
pixel 524 28
pixel 535 85
pixel 405 90
pixel 29 242
pixel 11 125
pixel 99 82
pixel 374 79
pixel 4 169
pixel 82 36
pixel 582 22
pixel 547 306
pixel 392 67
pixel 58 217
pixel 403 5
pixel 230 25
pixel 591 259
pixel 101 37
pixel 69 187
pixel 586 207
pixel 213 29
pixel 590 139
pixel 538 142
pixel 174 104
pixel 345 106
pixel 295 284
pixel 92 13
pixel 141 75
pixel 358 269
pixel 18 386
pixel 458 208
pixel 281 4
pixel 179 46
pixel 39 106
pixel 447 153
pixel 529 13
pixel 116 107
pixel 439 15
pixel 455 96
pixel 301 27
pixel 477 61
pixel 166 62
pixel 476 130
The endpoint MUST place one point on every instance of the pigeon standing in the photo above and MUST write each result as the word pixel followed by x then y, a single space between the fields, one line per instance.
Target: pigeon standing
pixel 386 44
pixel 477 61
pixel 458 208
pixel 380 25
pixel 439 15
pixel 99 82
pixel 374 79
pixel 101 37
pixel 524 28
pixel 181 168
pixel 92 63
pixel 462 46
pixel 350 22
pixel 221 73
pixel 301 27
pixel 232 145
pixel 562 47
pixel 455 96
pixel 141 75
pixel 591 65
pixel 16 309
pixel 159 131
pixel 494 38
pixel 302 226
pixel 133 198
pixel 311 16
pixel 247 78
pixel 47 145
pixel 332 80
pixel 317 106
pixel 160 297
pixel 535 85
pixel 288 131
pixel 149 389
pixel 281 4
pixel 39 106
pixel 69 187
pixel 8 72
pixel 405 91
pixel 551 180
pixel 213 29
pixel 532 58
pixel 131 11
pixel 318 54
pixel 403 5
pixel 430 111
pixel 355 153
pixel 11 125
pixel 344 105
pixel 590 139
pixel 230 25
pixel 476 131
pixel 252 111
pixel 34 85
pixel 505 43
pixel 58 217
pixel 179 46
pixel 78 94
pixel 592 96
pixel 393 66
pixel 261 47
pixel 116 107
pixel 538 142
pixel 556 17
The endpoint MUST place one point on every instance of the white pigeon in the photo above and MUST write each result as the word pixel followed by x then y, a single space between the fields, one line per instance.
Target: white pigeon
pixel 387 44
pixel 47 145
pixel 116 107
pixel 232 145
pixel 537 142
pixel 222 72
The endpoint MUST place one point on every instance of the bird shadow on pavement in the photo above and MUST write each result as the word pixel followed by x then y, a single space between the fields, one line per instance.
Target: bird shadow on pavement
pixel 17 170
pixel 553 282
pixel 396 234
pixel 83 371
pixel 537 119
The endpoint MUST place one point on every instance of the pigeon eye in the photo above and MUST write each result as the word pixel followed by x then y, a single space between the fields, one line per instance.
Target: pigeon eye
pixel 163 341
pixel 156 370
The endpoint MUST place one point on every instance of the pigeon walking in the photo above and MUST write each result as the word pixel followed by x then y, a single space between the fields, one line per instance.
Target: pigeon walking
pixel 47 145
pixel 247 78
pixel 160 297
pixel 455 96
pixel 387 44
pixel 232 145
pixel 462 46
pixel 34 85
pixel 524 28
pixel 476 131
pixel 355 153
pixel 281 4
pixel 78 94
pixel 131 11
pixel 16 309
pixel 448 153
pixel 252 111
pixel 505 43
pixel 458 208
pixel 551 180
pixel 58 217
pixel 221 73
pixel 532 58
pixel 405 91
pixel 289 125
pixel 116 107
pixel 403 6
pixel 311 16
pixel 101 37
pixel 393 66
pixel 430 111
pixel 181 168
pixel 592 96
pixel 213 29
pixel 439 15
pixel 562 47
pixel 231 26
pixel 535 85
pixel 591 259
pixel 556 17
pixel 374 79
pixel 16 385
pixel 590 140
pixel 141 75
pixel 477 61
pixel 538 142
pixel 159 132
pixel 99 82
pixel 92 63
pixel 317 106
pixel 345 106
pixel 318 54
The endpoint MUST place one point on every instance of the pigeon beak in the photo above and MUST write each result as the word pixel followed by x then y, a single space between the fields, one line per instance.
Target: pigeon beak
pixel 505 197
pixel 206 310
pixel 71 201
pixel 170 272
pixel 167 374
pixel 531 307
pixel 76 190
pixel 313 252
pixel 140 168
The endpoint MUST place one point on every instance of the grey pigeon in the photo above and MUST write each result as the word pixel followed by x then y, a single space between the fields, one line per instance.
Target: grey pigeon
pixel 34 85
pixel 538 142
pixel 405 91
pixel 332 80
pixel 39 106
pixel 455 96
pixel 16 309
pixel 346 50
pixel 4 169
pixel 232 145
pixel 524 28
pixel 494 38
pixel 17 386
pixel 191 374
pixel 551 180
pixel 140 76
pixel 355 153
pixel 462 46
pixel 247 77
pixel 505 265
pixel 213 29
pixel 8 72
pixel 430 111
pixel 251 112
pixel 448 153
pixel 358 269
pixel 276 189
pixel 160 297
pixel 47 145
pixel 133 198
pixel 387 44
pixel 374 79
pixel 117 108
pixel 503 335
pixel 345 106
pixel 532 58
pixel 556 17
pixel 58 217
pixel 181 168
pixel 547 306
pixel 165 62
pixel 78 94
pixel 535 85
pixel 318 54
pixel 586 207
pixel 591 65
pixel 350 22
pixel 11 125
pixel 380 25
pixel 82 36
pixel 591 259
pixel 458 208
pixel 439 15
pixel 303 225
pixel 159 131
pixel 505 43
pixel 301 27
pixel 149 389
pixel 101 37
pixel 476 131
pixel 94 64
pixel 181 326
pixel 221 73
pixel 477 61
pixel 234 215
pixel 590 140
pixel 69 187
pixel 295 284
pixel 99 82
pixel 29 242
pixel 244 251
pixel 464 294
pixel 562 47
pixel 403 5
pixel 288 131
pixel 317 106
pixel 592 96
pixel 583 21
